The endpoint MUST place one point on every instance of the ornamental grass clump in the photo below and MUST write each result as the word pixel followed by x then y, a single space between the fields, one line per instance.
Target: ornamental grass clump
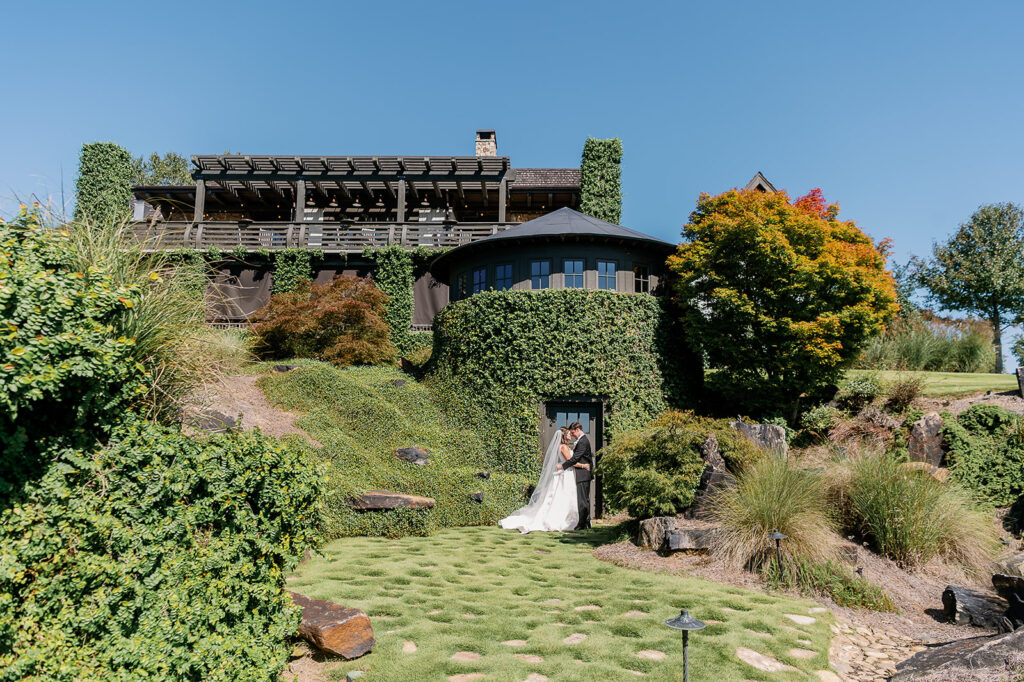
pixel 769 494
pixel 910 516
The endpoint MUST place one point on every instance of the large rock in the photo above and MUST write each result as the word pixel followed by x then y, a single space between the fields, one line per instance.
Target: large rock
pixel 1010 588
pixel 715 474
pixel 334 629
pixel 1012 565
pixel 925 442
pixel 963 658
pixel 964 606
pixel 213 421
pixel 688 539
pixel 653 531
pixel 768 436
pixel 379 500
pixel 416 455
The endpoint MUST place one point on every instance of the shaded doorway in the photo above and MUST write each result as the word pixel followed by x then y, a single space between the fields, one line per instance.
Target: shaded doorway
pixel 590 414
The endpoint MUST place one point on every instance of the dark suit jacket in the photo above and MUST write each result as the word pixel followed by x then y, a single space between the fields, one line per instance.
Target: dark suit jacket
pixel 583 454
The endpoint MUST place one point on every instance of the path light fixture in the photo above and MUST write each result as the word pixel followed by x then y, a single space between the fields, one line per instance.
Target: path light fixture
pixel 778 537
pixel 685 623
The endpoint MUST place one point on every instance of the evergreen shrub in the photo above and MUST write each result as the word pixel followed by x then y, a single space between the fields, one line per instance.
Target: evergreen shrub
pixel 986 452
pixel 601 179
pixel 103 188
pixel 498 355
pixel 361 416
pixel 654 471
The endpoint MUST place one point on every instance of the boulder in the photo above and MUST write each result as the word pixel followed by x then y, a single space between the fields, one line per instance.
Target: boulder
pixel 415 455
pixel 213 421
pixel 715 475
pixel 653 531
pixel 1012 565
pixel 483 474
pixel 478 496
pixel 334 629
pixel 964 606
pixel 768 436
pixel 688 539
pixel 378 500
pixel 285 368
pixel 1010 588
pixel 925 442
pixel 962 659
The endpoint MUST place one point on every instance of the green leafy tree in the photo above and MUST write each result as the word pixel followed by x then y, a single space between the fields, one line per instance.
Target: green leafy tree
pixel 103 191
pixel 980 269
pixel 169 169
pixel 780 296
pixel 601 179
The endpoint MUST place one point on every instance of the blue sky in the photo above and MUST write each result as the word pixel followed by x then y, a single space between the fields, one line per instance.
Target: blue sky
pixel 908 118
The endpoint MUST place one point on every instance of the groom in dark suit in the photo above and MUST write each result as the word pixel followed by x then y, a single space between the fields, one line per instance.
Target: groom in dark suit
pixel 582 454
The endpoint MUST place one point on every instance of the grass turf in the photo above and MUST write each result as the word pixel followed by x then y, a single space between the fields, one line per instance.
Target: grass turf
pixel 471 589
pixel 938 384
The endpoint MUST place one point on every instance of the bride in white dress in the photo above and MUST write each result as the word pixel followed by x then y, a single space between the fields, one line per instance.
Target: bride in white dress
pixel 553 503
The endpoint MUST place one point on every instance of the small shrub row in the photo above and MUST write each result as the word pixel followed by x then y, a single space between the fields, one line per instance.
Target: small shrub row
pixel 986 452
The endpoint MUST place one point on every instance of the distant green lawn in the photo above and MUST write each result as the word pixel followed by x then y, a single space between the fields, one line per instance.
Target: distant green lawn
pixel 937 384
pixel 471 589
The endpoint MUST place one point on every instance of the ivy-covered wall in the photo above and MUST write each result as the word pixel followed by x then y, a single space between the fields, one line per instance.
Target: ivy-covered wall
pixel 499 355
pixel 601 179
pixel 291 266
pixel 103 192
pixel 395 271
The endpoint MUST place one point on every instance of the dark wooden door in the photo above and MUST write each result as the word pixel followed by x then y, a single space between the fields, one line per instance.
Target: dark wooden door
pixel 589 413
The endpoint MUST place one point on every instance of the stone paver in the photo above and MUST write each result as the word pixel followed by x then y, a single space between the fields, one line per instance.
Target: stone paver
pixel 465 677
pixel 469 615
pixel 802 653
pixel 800 620
pixel 828 676
pixel 762 662
pixel 529 658
pixel 465 656
pixel 552 601
pixel 515 642
pixel 817 609
pixel 634 614
pixel 408 647
pixel 651 654
pixel 574 638
pixel 868 653
pixel 589 607
pixel 755 632
pixel 434 612
pixel 536 677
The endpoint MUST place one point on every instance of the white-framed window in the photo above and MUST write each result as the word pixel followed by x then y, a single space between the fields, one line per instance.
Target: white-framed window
pixel 606 274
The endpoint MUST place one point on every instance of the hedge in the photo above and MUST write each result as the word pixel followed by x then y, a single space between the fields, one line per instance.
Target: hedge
pixel 499 355
pixel 601 179
pixel 103 192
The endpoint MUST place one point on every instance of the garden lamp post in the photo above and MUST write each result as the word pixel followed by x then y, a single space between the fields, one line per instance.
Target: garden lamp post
pixel 685 623
pixel 778 537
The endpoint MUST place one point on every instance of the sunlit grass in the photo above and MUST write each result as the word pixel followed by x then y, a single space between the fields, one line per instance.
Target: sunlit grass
pixel 937 384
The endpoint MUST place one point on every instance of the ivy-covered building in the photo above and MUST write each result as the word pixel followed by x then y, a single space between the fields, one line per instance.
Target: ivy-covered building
pixel 267 209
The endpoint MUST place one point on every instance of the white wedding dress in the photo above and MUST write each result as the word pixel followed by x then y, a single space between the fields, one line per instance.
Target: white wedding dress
pixel 553 504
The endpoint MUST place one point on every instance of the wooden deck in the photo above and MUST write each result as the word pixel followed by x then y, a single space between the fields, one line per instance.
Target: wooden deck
pixel 323 236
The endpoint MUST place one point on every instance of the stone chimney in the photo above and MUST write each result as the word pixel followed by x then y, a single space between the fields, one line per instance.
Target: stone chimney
pixel 486 143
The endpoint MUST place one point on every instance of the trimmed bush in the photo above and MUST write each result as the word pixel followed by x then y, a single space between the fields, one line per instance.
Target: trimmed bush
pixel 158 556
pixel 771 493
pixel 103 188
pixel 655 471
pixel 986 452
pixel 361 415
pixel 910 516
pixel 341 322
pixel 500 354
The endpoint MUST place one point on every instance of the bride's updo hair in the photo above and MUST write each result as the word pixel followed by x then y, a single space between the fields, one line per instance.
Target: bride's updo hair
pixel 566 436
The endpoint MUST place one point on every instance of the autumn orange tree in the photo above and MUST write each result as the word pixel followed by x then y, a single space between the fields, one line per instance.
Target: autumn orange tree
pixel 341 322
pixel 778 295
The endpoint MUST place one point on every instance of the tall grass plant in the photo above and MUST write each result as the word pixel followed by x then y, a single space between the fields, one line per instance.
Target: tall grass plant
pixel 925 342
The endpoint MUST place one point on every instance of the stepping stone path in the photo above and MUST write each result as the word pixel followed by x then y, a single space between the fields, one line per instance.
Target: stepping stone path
pixel 529 658
pixel 574 638
pixel 634 614
pixel 802 653
pixel 434 612
pixel 590 607
pixel 408 647
pixel 465 656
pixel 552 601
pixel 755 632
pixel 515 642
pixel 867 653
pixel 536 677
pixel 465 677
pixel 651 654
pixel 800 620
pixel 762 662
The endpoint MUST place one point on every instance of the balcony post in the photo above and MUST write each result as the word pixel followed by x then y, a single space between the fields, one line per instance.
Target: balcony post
pixel 200 206
pixel 401 200
pixel 502 198
pixel 300 201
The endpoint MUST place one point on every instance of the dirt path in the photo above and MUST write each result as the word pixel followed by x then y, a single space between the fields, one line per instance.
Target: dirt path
pixel 239 395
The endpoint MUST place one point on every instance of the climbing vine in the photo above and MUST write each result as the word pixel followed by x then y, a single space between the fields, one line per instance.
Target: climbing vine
pixel 291 266
pixel 395 274
pixel 103 192
pixel 601 179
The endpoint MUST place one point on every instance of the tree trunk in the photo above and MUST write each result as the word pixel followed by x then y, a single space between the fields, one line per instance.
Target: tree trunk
pixel 997 339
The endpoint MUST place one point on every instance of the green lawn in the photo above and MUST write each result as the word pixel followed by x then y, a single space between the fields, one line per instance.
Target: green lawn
pixel 937 384
pixel 471 589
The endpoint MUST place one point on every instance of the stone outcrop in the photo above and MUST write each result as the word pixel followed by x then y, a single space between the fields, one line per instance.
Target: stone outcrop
pixel 652 531
pixel 715 474
pixel 964 606
pixel 768 436
pixel 285 368
pixel 1010 588
pixel 925 441
pixel 478 496
pixel 668 534
pixel 212 421
pixel 334 629
pixel 971 656
pixel 414 455
pixel 1012 565
pixel 379 500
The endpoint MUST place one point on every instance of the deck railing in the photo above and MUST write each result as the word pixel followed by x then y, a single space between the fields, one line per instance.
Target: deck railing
pixel 328 237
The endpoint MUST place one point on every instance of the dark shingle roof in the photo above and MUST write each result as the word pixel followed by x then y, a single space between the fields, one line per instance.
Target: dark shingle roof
pixel 543 178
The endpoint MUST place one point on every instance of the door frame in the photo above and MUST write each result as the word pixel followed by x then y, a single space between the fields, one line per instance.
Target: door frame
pixel 599 441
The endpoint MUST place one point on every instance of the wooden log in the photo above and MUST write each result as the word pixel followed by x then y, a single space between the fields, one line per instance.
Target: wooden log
pixel 334 629
pixel 964 606
pixel 379 500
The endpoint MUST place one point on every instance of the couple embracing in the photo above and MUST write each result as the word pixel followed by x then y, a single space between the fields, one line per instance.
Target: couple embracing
pixel 560 501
